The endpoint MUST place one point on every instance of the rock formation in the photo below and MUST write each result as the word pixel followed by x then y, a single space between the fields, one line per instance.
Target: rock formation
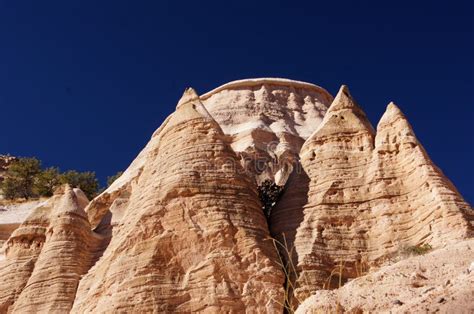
pixel 192 236
pixel 361 197
pixel 268 121
pixel 183 230
pixel 46 256
pixel 13 214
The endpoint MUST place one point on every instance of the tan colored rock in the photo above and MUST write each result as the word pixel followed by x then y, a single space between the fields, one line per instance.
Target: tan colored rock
pixel 443 286
pixel 192 234
pixel 182 230
pixel 13 214
pixel 44 256
pixel 268 120
pixel 360 197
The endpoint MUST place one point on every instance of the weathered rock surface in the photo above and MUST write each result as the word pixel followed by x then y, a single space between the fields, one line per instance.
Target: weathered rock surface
pixel 13 214
pixel 182 230
pixel 360 197
pixel 46 256
pixel 268 121
pixel 192 236
pixel 438 282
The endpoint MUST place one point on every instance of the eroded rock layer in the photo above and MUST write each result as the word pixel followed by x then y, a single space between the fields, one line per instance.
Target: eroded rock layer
pixel 192 236
pixel 46 256
pixel 360 197
pixel 182 230
pixel 268 121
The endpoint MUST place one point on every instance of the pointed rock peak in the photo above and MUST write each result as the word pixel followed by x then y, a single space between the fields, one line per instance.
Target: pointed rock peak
pixel 391 115
pixel 344 114
pixel 343 100
pixel 394 127
pixel 189 107
pixel 189 95
pixel 69 203
pixel 393 110
pixel 190 102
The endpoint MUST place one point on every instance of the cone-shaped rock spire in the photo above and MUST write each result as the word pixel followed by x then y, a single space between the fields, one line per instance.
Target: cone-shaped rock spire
pixel 192 221
pixel 343 118
pixel 189 95
pixel 47 255
pixel 66 256
pixel 189 107
pixel 346 184
pixel 394 129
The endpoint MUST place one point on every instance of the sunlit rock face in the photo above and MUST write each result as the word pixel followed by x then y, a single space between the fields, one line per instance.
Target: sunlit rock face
pixel 362 195
pixel 47 255
pixel 183 230
pixel 268 121
pixel 193 236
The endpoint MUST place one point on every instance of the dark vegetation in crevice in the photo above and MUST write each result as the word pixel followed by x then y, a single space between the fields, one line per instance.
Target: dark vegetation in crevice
pixel 269 193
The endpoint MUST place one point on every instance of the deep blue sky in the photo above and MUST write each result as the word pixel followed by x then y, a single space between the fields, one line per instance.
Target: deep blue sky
pixel 83 84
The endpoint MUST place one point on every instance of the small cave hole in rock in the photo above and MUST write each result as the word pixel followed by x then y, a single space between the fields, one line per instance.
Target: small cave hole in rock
pixel 269 193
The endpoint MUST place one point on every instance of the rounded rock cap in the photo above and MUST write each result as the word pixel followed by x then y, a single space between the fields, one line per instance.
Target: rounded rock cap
pixel 267 80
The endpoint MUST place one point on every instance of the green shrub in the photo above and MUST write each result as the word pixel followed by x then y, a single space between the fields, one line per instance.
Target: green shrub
pixel 86 181
pixel 20 178
pixel 418 249
pixel 47 181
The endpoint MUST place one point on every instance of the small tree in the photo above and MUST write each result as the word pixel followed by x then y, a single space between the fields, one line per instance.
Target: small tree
pixel 9 188
pixel 20 178
pixel 112 179
pixel 86 181
pixel 47 181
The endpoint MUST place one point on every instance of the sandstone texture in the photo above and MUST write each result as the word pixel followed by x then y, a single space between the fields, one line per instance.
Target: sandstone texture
pixel 192 235
pixel 183 229
pixel 363 195
pixel 438 282
pixel 47 255
pixel 268 121
pixel 12 214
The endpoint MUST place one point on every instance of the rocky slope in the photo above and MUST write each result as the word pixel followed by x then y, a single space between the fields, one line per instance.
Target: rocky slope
pixel 183 229
pixel 438 282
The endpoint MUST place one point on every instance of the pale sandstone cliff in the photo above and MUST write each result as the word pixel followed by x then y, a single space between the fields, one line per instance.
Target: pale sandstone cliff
pixel 268 121
pixel 12 214
pixel 46 256
pixel 183 229
pixel 192 235
pixel 361 197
